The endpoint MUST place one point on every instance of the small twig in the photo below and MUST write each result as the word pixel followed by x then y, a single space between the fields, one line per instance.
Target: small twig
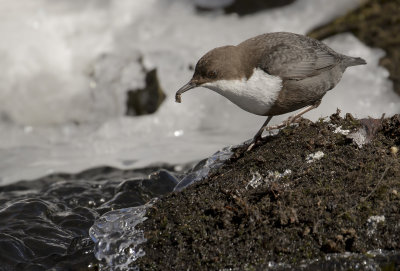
pixel 373 190
pixel 369 195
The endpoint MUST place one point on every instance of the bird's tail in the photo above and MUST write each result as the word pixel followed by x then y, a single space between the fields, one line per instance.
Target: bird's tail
pixel 353 61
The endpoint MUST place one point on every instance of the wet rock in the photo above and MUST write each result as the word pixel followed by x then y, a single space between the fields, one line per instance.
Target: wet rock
pixel 243 7
pixel 123 84
pixel 138 191
pixel 145 100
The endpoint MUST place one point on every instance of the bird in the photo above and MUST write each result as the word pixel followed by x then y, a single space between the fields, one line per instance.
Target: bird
pixel 272 74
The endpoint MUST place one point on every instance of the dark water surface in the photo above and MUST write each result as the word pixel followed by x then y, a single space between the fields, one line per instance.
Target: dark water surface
pixel 44 223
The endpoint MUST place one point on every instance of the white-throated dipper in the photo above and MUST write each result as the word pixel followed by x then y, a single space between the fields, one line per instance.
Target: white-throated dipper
pixel 272 74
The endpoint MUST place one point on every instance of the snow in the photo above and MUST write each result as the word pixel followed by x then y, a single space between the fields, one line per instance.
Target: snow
pixel 339 130
pixel 311 158
pixel 271 176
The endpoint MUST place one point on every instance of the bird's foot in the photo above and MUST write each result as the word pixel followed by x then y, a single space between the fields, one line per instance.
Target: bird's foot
pixel 291 119
pixel 285 123
pixel 258 138
pixel 254 142
pixel 251 146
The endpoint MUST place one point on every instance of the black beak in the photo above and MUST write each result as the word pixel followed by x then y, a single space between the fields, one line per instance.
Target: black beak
pixel 183 89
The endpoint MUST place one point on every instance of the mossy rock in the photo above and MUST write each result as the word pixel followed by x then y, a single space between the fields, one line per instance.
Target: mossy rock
pixel 347 201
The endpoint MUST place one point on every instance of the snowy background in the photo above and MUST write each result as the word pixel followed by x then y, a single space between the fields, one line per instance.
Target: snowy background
pixel 66 66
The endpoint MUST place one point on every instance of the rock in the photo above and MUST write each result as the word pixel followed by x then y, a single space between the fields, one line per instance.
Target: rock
pixel 245 7
pixel 319 208
pixel 122 84
pixel 145 100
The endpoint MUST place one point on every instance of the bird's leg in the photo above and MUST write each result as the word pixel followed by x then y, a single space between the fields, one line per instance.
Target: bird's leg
pixel 258 137
pixel 259 133
pixel 285 123
pixel 298 115
pixel 294 118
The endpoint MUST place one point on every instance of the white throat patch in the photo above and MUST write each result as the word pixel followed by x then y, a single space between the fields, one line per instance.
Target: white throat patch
pixel 255 95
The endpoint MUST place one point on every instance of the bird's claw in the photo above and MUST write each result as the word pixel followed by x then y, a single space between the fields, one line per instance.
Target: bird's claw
pixel 251 146
pixel 290 120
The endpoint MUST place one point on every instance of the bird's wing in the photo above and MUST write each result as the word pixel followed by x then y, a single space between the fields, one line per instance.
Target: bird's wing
pixel 290 61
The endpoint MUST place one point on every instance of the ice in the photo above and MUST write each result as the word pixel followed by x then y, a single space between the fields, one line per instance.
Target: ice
pixel 116 238
pixel 67 64
pixel 202 169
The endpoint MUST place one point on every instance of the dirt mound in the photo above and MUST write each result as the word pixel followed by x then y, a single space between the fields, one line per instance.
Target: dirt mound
pixel 311 190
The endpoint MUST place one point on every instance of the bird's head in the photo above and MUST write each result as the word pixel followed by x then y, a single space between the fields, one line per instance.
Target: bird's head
pixel 221 63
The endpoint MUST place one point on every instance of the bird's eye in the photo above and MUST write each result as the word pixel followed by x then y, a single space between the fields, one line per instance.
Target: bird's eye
pixel 212 74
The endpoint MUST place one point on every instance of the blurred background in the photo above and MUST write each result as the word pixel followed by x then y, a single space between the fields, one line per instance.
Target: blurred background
pixel 91 83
